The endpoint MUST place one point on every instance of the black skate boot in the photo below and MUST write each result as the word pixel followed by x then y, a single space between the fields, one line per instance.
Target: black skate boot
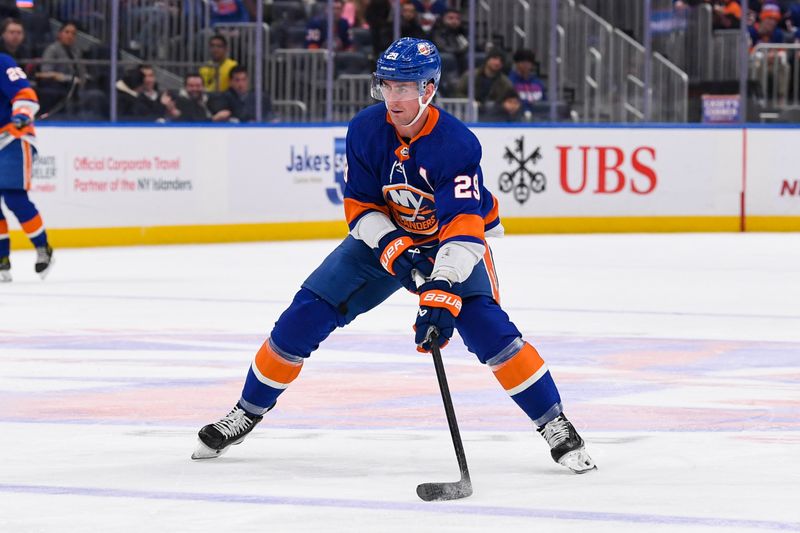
pixel 216 438
pixel 44 260
pixel 5 269
pixel 566 446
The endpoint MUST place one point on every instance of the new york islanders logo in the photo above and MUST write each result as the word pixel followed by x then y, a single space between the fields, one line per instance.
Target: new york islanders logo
pixel 412 209
pixel 424 49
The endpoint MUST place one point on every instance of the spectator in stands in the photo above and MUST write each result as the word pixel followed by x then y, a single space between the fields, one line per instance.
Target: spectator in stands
pixel 61 59
pixel 491 84
pixel 240 100
pixel 150 89
pixel 529 88
pixel 378 15
pixel 132 104
pixel 409 22
pixel 429 12
pixel 216 73
pixel 61 67
pixel 192 103
pixel 450 38
pixel 767 30
pixel 793 23
pixel 12 35
pixel 727 15
pixel 509 110
pixel 317 31
pixel 228 11
pixel 161 103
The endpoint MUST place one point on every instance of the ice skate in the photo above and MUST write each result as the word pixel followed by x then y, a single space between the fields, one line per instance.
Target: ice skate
pixel 566 446
pixel 215 439
pixel 5 269
pixel 44 260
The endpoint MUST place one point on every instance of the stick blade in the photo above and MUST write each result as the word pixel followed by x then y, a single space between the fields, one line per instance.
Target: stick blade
pixel 439 492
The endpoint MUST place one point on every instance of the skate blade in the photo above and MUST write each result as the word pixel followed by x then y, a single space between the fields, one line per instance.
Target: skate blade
pixel 43 274
pixel 578 461
pixel 204 452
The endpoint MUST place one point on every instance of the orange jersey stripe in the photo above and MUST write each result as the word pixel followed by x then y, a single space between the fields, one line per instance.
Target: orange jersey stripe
pixel 27 165
pixel 471 225
pixel 519 369
pixel 4 228
pixel 25 94
pixel 494 214
pixel 353 209
pixel 274 367
pixel 32 225
pixel 493 281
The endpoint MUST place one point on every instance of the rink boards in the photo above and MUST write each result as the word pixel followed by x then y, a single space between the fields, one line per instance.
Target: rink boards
pixel 146 185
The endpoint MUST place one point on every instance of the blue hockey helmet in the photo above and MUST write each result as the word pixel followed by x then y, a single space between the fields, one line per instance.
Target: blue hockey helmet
pixel 408 59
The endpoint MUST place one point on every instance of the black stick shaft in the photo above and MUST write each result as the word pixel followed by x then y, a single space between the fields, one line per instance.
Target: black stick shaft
pixel 448 409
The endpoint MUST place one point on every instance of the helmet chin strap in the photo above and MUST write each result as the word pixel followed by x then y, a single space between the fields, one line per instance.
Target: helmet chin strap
pixel 422 106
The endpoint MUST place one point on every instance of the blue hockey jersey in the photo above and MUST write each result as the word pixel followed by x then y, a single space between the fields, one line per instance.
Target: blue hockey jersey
pixel 14 91
pixel 430 186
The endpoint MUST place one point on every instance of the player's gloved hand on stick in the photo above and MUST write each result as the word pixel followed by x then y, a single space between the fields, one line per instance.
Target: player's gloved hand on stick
pixel 21 118
pixel 399 256
pixel 439 305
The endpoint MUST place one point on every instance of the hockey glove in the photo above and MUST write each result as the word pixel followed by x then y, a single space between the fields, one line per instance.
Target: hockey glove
pixel 22 117
pixel 439 305
pixel 400 257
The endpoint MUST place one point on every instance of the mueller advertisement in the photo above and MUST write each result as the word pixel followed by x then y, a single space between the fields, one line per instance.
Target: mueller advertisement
pixel 546 179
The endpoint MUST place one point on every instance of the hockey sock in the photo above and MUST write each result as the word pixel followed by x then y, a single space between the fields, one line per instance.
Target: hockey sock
pixel 524 375
pixel 28 216
pixel 270 374
pixel 5 245
pixel 35 230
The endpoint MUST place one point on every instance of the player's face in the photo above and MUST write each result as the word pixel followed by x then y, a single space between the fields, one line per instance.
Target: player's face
pixel 402 99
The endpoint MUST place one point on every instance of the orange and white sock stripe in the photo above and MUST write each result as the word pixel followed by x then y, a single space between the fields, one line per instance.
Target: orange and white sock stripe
pixel 521 371
pixel 3 229
pixel 274 370
pixel 33 227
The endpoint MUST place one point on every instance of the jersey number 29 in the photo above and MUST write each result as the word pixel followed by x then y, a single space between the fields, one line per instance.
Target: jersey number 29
pixel 15 74
pixel 467 187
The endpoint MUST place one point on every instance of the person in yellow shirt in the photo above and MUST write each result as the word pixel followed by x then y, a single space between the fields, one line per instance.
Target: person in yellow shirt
pixel 216 73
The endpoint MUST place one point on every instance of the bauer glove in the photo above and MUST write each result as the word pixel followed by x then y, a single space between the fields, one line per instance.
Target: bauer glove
pixel 439 305
pixel 398 255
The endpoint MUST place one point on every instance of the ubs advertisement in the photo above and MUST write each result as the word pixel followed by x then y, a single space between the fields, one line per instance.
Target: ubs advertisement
pixel 545 172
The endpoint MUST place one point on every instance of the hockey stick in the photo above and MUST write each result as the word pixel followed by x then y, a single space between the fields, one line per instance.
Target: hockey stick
pixel 456 489
pixel 61 104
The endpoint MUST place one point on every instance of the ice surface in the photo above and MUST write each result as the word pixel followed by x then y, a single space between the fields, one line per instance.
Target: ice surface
pixel 678 357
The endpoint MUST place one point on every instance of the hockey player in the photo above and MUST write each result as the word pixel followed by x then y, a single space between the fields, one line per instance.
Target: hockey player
pixel 414 200
pixel 18 106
